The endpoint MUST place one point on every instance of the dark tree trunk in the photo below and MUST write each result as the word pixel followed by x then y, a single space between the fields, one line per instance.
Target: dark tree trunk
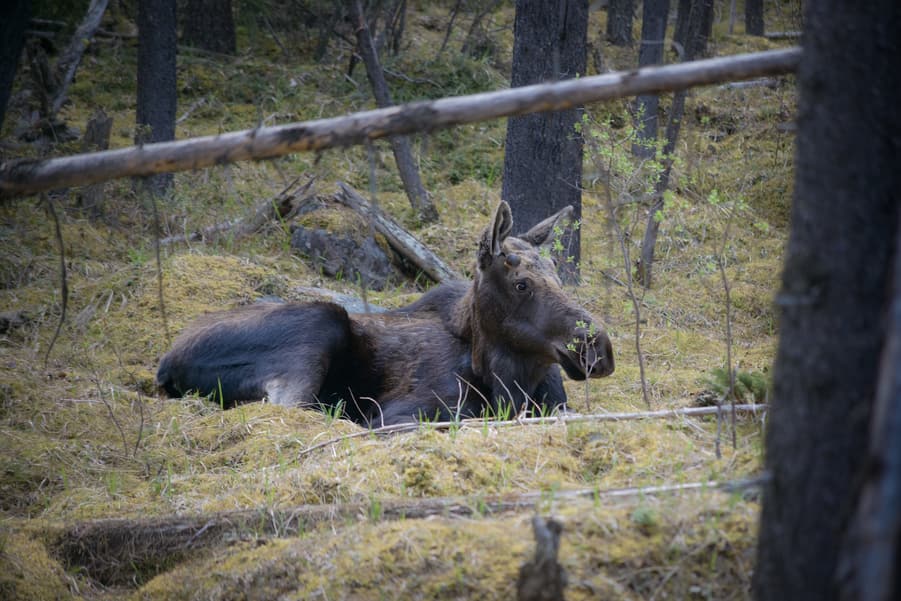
pixel 653 32
pixel 696 41
pixel 156 98
pixel 210 25
pixel 12 40
pixel 871 557
pixel 754 17
pixel 619 22
pixel 543 157
pixel 680 33
pixel 403 156
pixel 835 298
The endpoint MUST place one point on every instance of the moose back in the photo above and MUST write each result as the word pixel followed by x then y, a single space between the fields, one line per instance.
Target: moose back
pixel 460 351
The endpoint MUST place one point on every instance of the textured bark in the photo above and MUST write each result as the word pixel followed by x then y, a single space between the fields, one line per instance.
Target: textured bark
pixel 835 297
pixel 653 32
pixel 155 113
pixel 403 155
pixel 871 556
pixel 754 17
pixel 210 25
pixel 543 158
pixel 27 176
pixel 12 40
pixel 619 22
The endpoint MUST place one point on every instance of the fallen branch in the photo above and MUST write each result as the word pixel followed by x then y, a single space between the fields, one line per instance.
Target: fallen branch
pixel 283 206
pixel 112 551
pixel 783 35
pixel 769 82
pixel 398 238
pixel 566 418
pixel 26 176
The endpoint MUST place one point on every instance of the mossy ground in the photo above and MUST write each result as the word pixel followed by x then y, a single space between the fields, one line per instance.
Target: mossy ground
pixel 85 435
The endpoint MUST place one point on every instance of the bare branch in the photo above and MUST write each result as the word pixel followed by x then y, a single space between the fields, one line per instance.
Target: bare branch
pixel 567 418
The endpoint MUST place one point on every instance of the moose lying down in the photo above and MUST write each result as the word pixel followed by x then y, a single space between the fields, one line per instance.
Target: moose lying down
pixel 459 351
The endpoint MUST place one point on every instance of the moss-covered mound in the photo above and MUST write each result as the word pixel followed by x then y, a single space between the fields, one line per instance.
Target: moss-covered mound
pixel 93 458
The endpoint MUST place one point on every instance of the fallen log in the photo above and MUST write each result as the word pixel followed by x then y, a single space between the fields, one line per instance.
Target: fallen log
pixel 114 551
pixel 398 238
pixel 281 207
pixel 27 176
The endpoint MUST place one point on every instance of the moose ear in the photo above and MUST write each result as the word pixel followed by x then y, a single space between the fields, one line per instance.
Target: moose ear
pixel 543 233
pixel 500 228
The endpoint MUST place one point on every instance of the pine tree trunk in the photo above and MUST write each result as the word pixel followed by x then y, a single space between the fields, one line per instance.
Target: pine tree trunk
pixel 210 25
pixel 754 17
pixel 653 32
pixel 835 297
pixel 619 22
pixel 12 40
pixel 156 96
pixel 403 155
pixel 696 42
pixel 543 158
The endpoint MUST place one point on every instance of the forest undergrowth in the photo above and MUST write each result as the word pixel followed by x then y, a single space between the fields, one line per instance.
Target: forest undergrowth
pixel 85 435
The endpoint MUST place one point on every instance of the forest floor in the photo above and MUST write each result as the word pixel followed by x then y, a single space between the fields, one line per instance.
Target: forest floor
pixel 237 504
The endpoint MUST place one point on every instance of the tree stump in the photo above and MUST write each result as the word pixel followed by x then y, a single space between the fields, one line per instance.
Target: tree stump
pixel 543 578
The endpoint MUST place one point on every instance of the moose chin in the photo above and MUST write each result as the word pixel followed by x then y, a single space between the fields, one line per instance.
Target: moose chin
pixel 464 349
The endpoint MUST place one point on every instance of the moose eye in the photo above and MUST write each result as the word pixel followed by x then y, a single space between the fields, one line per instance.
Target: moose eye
pixel 521 286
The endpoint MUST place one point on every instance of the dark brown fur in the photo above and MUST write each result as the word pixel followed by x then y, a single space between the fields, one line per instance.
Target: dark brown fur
pixel 456 352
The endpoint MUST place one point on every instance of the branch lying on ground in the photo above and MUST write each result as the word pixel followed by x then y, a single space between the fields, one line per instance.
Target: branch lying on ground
pixel 283 206
pixel 400 239
pixel 108 550
pixel 533 421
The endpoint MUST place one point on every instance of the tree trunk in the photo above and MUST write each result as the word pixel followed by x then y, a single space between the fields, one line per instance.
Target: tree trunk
pixel 210 25
pixel 696 41
pixel 754 17
pixel 872 551
pixel 680 33
pixel 68 61
pixel 835 300
pixel 619 22
pixel 543 158
pixel 653 32
pixel 12 40
pixel 156 98
pixel 403 156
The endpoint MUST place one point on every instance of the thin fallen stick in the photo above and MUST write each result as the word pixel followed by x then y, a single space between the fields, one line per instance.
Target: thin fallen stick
pixel 533 421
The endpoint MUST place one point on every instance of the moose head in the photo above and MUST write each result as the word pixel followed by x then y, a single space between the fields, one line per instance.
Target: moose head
pixel 523 321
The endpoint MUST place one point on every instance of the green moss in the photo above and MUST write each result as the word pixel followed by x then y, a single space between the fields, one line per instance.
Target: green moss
pixel 27 572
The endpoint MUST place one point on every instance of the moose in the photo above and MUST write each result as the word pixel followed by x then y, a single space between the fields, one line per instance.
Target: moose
pixel 460 351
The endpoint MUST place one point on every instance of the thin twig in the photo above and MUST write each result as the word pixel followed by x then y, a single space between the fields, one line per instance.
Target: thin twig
pixel 721 264
pixel 159 265
pixel 478 423
pixel 63 277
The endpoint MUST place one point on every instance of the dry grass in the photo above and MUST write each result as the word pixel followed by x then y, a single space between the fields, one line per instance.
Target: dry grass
pixel 86 436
